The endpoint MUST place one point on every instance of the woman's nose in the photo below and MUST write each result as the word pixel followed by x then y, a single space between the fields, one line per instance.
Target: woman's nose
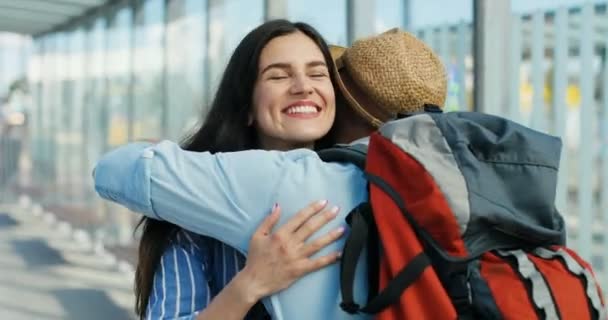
pixel 301 85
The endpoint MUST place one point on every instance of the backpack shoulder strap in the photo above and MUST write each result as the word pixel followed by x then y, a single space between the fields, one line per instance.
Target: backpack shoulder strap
pixel 348 153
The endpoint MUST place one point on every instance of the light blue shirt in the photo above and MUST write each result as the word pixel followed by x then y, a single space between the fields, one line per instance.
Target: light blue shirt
pixel 227 195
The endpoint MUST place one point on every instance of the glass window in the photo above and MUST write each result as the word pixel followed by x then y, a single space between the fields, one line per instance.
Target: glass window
pixel 558 71
pixel 70 130
pixel 186 45
pixel 95 117
pixel 118 72
pixel 447 26
pixel 227 28
pixel 35 113
pixel 389 14
pixel 148 87
pixel 58 109
pixel 329 18
pixel 13 48
pixel 49 91
pixel 118 69
pixel 13 100
pixel 431 13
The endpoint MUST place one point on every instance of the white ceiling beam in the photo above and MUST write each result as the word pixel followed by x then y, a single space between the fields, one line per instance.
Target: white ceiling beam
pixel 43 6
pixel 31 16
pixel 23 27
pixel 84 3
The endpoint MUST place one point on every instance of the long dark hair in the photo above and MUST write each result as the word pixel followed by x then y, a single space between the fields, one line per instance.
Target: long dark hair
pixel 225 129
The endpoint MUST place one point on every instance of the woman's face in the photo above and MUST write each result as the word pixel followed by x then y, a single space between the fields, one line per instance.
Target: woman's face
pixel 293 97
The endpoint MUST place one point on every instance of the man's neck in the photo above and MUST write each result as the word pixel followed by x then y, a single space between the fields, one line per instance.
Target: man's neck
pixel 354 133
pixel 364 140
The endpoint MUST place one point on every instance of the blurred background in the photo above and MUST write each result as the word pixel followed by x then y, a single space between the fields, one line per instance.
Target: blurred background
pixel 80 77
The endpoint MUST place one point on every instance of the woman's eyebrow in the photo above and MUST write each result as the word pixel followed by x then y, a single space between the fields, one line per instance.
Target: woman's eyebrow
pixel 316 63
pixel 278 65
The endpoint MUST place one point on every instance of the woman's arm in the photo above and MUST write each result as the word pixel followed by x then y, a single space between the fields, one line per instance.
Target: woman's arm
pixel 275 261
pixel 223 195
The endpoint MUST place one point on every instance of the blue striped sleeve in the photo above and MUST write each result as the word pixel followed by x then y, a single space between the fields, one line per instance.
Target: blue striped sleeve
pixel 180 287
pixel 225 263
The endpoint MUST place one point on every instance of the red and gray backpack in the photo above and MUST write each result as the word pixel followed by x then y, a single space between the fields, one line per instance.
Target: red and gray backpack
pixel 461 223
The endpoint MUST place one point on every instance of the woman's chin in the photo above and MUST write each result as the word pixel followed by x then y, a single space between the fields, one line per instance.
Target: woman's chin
pixel 307 136
pixel 294 138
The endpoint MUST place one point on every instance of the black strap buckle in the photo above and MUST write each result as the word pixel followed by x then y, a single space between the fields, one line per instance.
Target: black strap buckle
pixel 428 108
pixel 350 307
pixel 432 108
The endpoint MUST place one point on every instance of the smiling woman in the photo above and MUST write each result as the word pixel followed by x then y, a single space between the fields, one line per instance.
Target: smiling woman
pixel 293 97
pixel 276 94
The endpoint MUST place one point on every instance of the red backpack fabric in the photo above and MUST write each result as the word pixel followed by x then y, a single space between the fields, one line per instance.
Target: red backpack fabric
pixel 461 224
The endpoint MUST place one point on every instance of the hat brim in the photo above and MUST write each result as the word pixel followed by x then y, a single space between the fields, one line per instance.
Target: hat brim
pixel 337 54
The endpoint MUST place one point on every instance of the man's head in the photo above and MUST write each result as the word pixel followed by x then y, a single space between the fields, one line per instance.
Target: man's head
pixel 382 76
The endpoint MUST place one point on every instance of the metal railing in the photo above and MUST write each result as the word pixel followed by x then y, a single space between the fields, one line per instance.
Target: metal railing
pixel 558 84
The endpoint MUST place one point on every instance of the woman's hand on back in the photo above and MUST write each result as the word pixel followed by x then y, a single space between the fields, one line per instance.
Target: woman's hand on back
pixel 277 258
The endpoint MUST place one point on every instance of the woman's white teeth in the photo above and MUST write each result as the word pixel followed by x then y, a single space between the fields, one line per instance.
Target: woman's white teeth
pixel 302 109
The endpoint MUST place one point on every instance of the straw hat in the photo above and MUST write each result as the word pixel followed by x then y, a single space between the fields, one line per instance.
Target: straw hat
pixel 394 70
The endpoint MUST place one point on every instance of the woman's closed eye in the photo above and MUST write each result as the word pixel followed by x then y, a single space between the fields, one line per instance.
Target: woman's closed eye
pixel 318 75
pixel 318 72
pixel 278 77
